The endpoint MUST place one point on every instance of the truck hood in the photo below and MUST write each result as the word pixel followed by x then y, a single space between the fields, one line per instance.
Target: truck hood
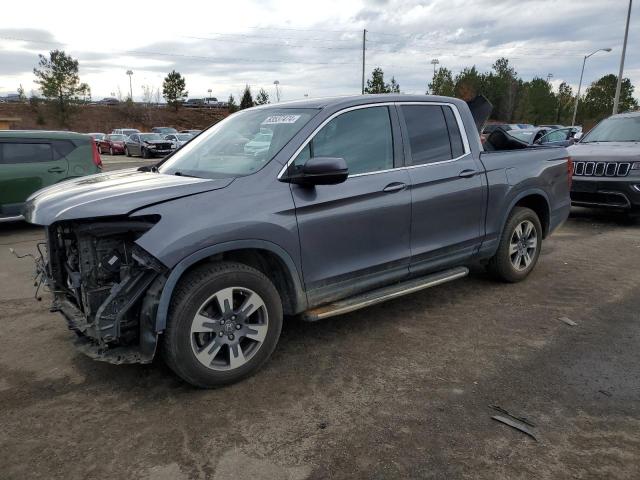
pixel 606 151
pixel 108 194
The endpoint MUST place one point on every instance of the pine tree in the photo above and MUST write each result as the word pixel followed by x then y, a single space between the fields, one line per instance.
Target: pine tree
pixel 247 98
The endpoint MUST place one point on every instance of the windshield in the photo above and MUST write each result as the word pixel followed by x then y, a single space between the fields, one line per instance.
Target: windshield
pixel 615 129
pixel 239 145
pixel 184 137
pixel 150 136
pixel 97 136
pixel 117 138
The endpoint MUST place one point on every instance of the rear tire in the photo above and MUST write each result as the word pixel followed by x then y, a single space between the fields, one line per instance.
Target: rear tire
pixel 519 247
pixel 224 323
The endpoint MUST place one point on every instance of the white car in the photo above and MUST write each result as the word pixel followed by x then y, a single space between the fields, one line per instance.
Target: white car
pixel 178 139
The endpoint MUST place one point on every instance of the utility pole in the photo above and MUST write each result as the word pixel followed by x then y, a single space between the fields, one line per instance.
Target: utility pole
pixel 364 48
pixel 616 99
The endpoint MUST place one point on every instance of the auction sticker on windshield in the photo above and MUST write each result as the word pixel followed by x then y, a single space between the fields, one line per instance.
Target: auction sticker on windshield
pixel 274 119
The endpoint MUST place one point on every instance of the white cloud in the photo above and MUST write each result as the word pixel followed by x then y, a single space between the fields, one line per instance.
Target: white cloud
pixel 311 47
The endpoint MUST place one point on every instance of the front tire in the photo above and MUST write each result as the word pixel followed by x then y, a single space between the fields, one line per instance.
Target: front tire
pixel 224 323
pixel 519 247
pixel 145 153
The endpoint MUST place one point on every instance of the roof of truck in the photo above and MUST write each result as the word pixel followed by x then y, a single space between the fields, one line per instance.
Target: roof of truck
pixel 360 99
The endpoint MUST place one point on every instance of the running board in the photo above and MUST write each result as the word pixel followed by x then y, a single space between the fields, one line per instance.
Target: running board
pixel 383 294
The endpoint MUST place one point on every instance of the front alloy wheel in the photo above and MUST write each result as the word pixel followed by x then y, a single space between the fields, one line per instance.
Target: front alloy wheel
pixel 229 328
pixel 224 323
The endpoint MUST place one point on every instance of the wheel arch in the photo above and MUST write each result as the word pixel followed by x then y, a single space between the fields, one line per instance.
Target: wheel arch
pixel 269 258
pixel 535 199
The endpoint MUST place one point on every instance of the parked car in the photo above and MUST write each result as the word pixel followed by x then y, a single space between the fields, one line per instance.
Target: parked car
pixel 97 137
pixel 112 144
pixel 530 136
pixel 357 200
pixel 607 165
pixel 552 127
pixel 109 101
pixel 525 125
pixel 147 145
pixel 563 137
pixel 125 131
pixel 164 130
pixel 492 127
pixel 178 139
pixel 194 103
pixel 192 132
pixel 30 160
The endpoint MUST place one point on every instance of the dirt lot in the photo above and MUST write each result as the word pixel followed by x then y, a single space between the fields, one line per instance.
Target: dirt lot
pixel 400 390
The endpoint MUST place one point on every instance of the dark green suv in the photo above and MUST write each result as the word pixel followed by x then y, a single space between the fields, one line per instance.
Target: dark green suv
pixel 31 160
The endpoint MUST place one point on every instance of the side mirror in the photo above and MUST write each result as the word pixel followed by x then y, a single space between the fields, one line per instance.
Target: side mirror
pixel 577 136
pixel 320 171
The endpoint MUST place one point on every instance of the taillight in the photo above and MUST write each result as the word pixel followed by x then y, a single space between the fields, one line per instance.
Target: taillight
pixel 96 156
pixel 569 171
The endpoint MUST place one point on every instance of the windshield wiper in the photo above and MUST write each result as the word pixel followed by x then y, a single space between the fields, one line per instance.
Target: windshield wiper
pixel 180 174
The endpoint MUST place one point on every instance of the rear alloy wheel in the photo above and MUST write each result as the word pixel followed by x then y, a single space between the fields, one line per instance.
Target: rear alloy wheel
pixel 224 323
pixel 519 247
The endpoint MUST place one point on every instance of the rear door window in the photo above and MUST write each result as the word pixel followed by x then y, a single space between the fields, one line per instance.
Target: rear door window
pixel 428 134
pixel 17 153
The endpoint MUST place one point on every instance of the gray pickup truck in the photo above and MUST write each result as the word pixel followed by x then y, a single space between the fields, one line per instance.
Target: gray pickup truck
pixel 351 201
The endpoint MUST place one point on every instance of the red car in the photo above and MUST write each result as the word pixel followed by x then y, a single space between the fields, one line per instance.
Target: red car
pixel 112 144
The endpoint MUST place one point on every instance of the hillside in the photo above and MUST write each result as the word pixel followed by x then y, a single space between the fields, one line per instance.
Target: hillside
pixel 104 118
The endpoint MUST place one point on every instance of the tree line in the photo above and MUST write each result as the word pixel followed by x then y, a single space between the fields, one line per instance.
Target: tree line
pixel 514 100
pixel 518 101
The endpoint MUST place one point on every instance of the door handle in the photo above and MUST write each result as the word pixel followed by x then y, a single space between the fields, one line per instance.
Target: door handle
pixel 394 187
pixel 56 170
pixel 468 173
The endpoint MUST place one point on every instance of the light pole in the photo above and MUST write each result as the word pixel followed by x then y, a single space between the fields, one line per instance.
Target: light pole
pixel 276 83
pixel 575 108
pixel 616 99
pixel 130 72
pixel 434 62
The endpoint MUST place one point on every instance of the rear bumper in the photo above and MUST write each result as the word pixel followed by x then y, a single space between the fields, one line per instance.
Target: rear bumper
pixel 620 193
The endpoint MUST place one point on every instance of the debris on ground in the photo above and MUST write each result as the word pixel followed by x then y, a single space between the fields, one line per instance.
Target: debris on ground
pixel 514 424
pixel 525 420
pixel 568 321
pixel 605 393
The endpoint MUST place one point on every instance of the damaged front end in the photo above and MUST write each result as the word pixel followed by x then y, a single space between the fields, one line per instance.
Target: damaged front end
pixel 106 286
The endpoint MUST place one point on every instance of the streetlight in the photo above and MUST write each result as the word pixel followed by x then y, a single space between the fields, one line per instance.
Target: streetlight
pixel 434 62
pixel 575 108
pixel 276 83
pixel 130 72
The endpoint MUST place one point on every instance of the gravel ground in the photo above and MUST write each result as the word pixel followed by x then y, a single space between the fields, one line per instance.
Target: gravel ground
pixel 399 390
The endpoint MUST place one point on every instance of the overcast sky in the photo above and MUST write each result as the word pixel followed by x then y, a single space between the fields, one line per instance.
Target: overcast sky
pixel 311 48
